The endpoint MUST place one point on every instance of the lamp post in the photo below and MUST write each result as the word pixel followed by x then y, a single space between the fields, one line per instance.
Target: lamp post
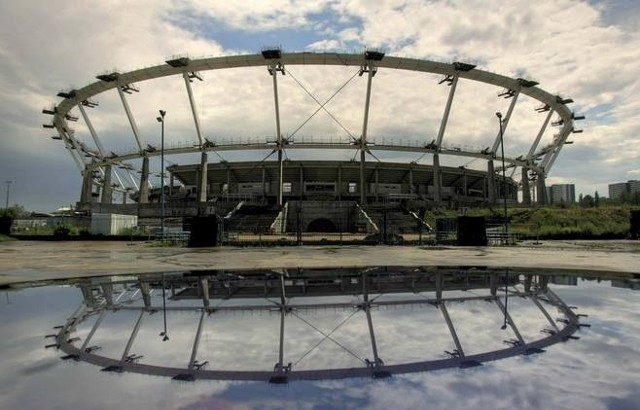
pixel 506 299
pixel 504 180
pixel 165 335
pixel 161 121
pixel 6 205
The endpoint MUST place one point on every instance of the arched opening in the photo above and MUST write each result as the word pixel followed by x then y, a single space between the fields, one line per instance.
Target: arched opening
pixel 322 225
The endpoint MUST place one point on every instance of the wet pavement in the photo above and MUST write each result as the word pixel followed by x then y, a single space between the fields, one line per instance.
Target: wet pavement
pixel 27 261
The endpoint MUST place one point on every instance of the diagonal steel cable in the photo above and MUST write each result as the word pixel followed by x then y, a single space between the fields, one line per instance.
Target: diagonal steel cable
pixel 246 174
pixel 371 153
pixel 219 156
pixel 321 105
pixel 420 157
pixel 355 154
pixel 327 336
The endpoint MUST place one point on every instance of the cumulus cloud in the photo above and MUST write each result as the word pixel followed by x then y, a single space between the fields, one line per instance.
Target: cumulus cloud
pixel 575 49
pixel 597 371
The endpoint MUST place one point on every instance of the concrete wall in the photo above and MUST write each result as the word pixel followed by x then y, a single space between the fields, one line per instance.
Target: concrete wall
pixel 111 224
pixel 342 214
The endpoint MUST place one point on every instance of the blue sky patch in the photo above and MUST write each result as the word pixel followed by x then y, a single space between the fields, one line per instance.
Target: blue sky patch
pixel 253 39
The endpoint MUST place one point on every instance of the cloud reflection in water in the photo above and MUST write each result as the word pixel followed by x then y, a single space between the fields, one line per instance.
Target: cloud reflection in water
pixel 598 371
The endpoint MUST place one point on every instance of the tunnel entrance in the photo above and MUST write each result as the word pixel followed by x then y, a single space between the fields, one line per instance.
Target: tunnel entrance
pixel 322 225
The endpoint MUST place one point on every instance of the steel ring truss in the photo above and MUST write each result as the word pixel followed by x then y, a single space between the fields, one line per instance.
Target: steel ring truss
pixel 538 160
pixel 365 283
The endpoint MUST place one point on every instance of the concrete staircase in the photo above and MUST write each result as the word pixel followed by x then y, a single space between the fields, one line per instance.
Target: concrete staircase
pixel 252 218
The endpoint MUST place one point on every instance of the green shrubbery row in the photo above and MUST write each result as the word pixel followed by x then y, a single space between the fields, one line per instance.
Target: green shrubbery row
pixel 603 222
pixel 555 222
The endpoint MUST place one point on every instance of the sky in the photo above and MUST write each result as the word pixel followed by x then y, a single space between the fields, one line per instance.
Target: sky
pixel 584 50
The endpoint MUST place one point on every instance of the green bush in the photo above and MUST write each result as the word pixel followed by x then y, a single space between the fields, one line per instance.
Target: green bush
pixel 62 232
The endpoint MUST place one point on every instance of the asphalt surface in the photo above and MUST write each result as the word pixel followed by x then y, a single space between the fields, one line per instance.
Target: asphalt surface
pixel 29 261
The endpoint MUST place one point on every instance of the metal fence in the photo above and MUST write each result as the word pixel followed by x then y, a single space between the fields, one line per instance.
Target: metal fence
pixel 320 238
pixel 322 223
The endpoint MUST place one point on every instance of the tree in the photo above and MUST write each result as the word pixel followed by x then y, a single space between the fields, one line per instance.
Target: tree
pixel 587 201
pixel 16 211
pixel 631 198
pixel 596 199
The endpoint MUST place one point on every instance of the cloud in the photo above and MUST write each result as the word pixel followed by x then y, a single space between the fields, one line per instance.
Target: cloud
pixel 598 370
pixel 577 49
pixel 257 16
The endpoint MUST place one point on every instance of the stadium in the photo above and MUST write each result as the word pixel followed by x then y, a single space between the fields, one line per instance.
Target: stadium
pixel 348 176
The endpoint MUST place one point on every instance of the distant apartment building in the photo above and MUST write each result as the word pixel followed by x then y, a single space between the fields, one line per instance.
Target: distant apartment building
pixel 564 280
pixel 633 284
pixel 619 188
pixel 561 193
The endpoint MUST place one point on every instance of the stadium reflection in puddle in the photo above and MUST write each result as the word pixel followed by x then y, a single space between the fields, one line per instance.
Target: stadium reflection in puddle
pixel 307 327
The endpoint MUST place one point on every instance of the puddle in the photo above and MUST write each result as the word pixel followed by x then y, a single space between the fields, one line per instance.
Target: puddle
pixel 337 338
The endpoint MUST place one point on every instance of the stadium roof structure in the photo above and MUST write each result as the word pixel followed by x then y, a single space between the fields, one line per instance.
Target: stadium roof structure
pixel 313 323
pixel 535 162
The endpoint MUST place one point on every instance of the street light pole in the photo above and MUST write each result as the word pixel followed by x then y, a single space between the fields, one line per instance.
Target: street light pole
pixel 161 121
pixel 6 206
pixel 165 335
pixel 504 180
pixel 506 299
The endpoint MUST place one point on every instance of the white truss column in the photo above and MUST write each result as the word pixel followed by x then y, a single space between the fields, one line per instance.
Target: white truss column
pixel 107 196
pixel 465 185
pixel 371 70
pixel 264 183
pixel 280 368
pixel 493 284
pixel 491 182
pixel 505 122
pixel 202 189
pixel 437 180
pixel 70 142
pixel 196 119
pixel 132 338
pixel 541 190
pixel 132 120
pixel 107 293
pixel 511 323
pixel 146 294
pixel 534 146
pixel 204 288
pixel 526 189
pixel 274 68
pixel 87 185
pixel 553 324
pixel 95 327
pixel 339 182
pixel 301 189
pixel 366 305
pixel 412 188
pixel 548 162
pixel 171 183
pixel 144 182
pixel 452 329
pixel 447 110
pixel 92 130
pixel 196 342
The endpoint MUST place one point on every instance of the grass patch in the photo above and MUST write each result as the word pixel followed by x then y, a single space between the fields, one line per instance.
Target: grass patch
pixel 607 222
pixel 5 238
pixel 583 223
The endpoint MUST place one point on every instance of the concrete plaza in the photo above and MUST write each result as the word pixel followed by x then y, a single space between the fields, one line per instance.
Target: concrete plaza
pixel 27 261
